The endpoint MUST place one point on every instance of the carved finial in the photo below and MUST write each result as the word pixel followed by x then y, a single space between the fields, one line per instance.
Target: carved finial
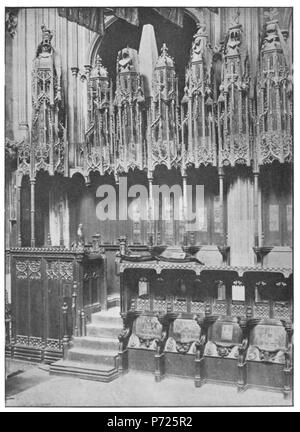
pixel 164 60
pixel 164 50
pixel 98 61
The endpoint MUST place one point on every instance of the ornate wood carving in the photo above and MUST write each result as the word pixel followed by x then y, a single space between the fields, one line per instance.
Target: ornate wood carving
pixel 11 21
pixel 234 121
pixel 98 152
pixel 163 127
pixel 275 103
pixel 46 149
pixel 197 113
pixel 60 270
pixel 129 99
pixel 28 269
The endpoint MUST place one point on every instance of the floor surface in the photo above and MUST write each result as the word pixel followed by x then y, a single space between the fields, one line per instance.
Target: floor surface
pixel 30 385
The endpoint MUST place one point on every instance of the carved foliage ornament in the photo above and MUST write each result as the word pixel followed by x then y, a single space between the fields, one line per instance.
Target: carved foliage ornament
pixel 28 269
pixel 11 21
pixel 60 270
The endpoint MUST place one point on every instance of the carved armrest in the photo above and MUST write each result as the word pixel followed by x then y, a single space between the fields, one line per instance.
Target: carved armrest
pixel 242 348
pixel 288 356
pixel 124 337
pixel 200 345
pixel 161 342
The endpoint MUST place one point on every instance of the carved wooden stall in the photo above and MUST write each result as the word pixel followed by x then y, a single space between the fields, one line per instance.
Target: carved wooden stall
pixel 54 292
pixel 198 318
pixel 269 357
pixel 189 293
pixel 223 356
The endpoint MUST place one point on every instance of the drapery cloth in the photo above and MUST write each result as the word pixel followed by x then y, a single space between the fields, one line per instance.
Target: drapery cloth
pixel 93 18
pixel 173 14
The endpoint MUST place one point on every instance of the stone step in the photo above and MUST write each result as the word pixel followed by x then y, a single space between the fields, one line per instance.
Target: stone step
pixel 83 355
pixel 96 343
pixel 102 317
pixel 91 371
pixel 110 316
pixel 103 330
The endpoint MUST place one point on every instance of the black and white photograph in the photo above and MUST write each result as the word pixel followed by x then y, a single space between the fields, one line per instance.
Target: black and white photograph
pixel 149 207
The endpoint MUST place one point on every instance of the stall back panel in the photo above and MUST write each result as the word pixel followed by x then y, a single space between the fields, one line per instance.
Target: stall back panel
pixel 219 369
pixel 54 311
pixel 21 304
pixel 36 306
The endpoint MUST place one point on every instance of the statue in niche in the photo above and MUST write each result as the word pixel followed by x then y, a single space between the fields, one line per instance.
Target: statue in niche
pixel 48 114
pixel 129 99
pixel 126 60
pixel 199 44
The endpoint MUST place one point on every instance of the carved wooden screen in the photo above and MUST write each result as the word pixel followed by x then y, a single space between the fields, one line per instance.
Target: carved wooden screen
pixel 40 286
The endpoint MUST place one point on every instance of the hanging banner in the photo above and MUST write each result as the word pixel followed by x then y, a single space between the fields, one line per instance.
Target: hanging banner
pixel 129 14
pixel 172 14
pixel 91 18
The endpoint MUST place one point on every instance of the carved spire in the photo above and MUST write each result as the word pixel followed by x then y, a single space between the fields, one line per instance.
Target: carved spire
pixel 164 112
pixel 164 60
pixel 99 149
pixel 197 103
pixel 47 137
pixel 274 95
pixel 234 121
pixel 129 100
pixel 99 71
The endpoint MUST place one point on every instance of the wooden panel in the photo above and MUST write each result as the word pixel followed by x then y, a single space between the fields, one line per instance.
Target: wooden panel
pixel 219 369
pixel 140 359
pixel 36 303
pixel 22 307
pixel 182 365
pixel 265 375
pixel 54 310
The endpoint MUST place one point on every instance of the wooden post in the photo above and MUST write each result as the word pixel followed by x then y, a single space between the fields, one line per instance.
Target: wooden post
pixel 221 192
pixel 61 224
pixel 184 184
pixel 257 213
pixel 159 359
pixel 82 323
pixel 75 71
pixel 65 330
pixel 32 211
pixel 19 236
pixel 74 309
pixel 150 209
